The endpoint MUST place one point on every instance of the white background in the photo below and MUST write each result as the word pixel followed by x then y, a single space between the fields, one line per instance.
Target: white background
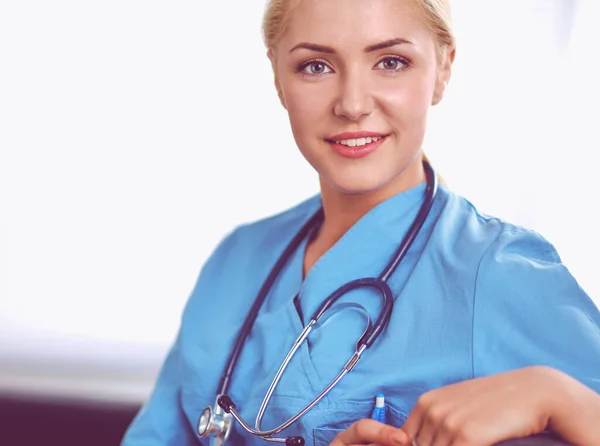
pixel 135 134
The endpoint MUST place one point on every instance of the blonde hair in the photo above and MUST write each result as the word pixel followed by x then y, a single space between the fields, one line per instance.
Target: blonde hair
pixel 438 18
pixel 436 14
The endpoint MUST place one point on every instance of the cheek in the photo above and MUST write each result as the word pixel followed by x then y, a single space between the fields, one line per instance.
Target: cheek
pixel 407 102
pixel 414 92
pixel 307 107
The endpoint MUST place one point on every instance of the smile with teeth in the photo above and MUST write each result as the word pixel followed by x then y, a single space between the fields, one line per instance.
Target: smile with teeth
pixel 358 142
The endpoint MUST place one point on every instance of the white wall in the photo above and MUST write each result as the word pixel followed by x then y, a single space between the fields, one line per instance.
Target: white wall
pixel 135 134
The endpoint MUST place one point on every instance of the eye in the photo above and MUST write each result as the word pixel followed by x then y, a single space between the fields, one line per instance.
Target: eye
pixel 314 68
pixel 392 64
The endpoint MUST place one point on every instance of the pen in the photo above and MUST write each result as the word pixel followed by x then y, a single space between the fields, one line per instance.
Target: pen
pixel 379 410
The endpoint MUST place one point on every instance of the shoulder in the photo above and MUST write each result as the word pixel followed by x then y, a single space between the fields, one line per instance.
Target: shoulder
pixel 245 242
pixel 281 223
pixel 528 309
pixel 246 254
pixel 507 263
pixel 517 270
pixel 272 230
pixel 499 240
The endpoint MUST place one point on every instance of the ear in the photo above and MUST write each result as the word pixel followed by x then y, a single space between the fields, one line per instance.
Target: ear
pixel 444 73
pixel 273 60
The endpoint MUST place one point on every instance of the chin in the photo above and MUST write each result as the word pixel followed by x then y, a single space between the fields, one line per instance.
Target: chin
pixel 354 186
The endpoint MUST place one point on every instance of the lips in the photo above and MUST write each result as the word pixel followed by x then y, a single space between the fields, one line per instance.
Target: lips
pixel 356 144
pixel 356 135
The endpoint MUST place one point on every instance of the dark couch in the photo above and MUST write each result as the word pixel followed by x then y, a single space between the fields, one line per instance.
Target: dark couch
pixel 28 421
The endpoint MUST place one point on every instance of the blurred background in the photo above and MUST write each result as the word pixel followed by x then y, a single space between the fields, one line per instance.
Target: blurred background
pixel 135 134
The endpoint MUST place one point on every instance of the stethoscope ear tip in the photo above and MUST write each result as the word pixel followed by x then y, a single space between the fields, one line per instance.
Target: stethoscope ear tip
pixel 294 441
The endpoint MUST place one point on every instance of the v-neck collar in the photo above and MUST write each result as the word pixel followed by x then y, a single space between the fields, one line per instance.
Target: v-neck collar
pixel 363 251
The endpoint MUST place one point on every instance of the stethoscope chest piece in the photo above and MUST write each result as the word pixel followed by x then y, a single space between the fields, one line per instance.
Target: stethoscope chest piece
pixel 216 423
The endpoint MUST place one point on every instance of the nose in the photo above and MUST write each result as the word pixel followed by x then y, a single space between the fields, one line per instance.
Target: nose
pixel 354 99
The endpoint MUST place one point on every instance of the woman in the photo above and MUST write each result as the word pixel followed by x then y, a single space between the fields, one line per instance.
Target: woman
pixel 489 338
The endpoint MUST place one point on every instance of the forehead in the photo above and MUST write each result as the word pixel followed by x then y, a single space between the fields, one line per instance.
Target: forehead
pixel 348 22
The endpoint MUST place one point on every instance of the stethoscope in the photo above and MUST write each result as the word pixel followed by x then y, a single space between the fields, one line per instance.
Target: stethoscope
pixel 217 422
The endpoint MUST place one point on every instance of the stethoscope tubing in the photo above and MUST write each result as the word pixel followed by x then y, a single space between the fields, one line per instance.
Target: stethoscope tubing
pixel 262 294
pixel 430 193
pixel 366 340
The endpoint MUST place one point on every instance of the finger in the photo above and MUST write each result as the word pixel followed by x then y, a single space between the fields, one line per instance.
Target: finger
pixel 371 431
pixel 429 421
pixel 427 432
pixel 443 423
pixel 444 437
pixel 412 425
pixel 445 434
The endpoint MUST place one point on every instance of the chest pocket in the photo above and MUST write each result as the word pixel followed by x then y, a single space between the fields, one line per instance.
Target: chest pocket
pixel 324 435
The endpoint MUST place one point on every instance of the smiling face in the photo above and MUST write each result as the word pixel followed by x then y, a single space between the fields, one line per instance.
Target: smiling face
pixel 357 78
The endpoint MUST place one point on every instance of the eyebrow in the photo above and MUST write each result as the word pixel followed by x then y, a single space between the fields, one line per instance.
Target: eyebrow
pixel 387 44
pixel 368 49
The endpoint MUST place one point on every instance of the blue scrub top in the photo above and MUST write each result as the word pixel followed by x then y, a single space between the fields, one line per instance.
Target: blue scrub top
pixel 474 296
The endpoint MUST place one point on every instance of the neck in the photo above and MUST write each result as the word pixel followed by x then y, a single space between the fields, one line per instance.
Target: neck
pixel 343 210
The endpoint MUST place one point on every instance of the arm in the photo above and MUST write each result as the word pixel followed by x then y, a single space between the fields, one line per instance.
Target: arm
pixel 515 404
pixel 575 413
pixel 161 420
pixel 536 358
pixel 529 310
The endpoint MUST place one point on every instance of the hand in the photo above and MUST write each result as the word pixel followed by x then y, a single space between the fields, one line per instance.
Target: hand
pixel 371 432
pixel 485 411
